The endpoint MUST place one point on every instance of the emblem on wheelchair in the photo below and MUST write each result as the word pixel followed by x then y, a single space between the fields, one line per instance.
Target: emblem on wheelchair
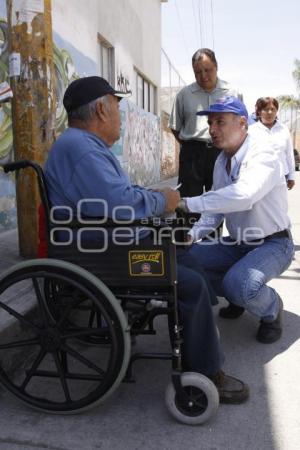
pixel 146 263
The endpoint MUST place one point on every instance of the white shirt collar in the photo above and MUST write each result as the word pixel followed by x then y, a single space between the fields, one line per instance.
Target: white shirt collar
pixel 261 125
pixel 238 157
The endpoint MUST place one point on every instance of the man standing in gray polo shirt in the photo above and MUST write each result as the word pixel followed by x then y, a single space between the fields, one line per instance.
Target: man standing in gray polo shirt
pixel 197 154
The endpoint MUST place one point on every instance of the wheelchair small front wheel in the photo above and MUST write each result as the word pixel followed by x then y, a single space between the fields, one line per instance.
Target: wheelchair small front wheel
pixel 203 399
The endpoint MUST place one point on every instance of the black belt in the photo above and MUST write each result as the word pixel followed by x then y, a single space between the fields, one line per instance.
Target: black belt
pixel 282 233
pixel 207 143
pixel 278 234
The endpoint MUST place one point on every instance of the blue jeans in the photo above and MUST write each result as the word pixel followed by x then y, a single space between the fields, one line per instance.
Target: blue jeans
pixel 201 346
pixel 240 272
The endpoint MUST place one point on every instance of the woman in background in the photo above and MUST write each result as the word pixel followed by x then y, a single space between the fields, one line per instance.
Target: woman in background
pixel 268 125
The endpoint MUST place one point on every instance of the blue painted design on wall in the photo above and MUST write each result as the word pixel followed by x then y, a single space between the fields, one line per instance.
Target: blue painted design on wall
pixel 8 212
pixel 85 66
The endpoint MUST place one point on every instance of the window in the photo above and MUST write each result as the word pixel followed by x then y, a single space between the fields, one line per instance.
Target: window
pixel 140 89
pixel 145 94
pixel 152 94
pixel 106 60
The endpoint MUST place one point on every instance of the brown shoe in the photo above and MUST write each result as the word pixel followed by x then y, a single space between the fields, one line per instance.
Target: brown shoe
pixel 231 390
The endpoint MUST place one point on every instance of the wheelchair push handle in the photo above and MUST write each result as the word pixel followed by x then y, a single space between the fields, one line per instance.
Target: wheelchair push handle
pixel 17 165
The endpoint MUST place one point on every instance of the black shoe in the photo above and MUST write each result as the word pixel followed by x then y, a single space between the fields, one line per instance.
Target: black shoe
pixel 231 311
pixel 231 390
pixel 269 332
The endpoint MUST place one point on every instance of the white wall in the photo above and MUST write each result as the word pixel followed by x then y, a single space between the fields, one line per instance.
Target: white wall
pixel 132 27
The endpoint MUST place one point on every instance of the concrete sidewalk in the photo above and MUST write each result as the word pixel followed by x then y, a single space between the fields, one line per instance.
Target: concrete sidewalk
pixel 9 249
pixel 135 417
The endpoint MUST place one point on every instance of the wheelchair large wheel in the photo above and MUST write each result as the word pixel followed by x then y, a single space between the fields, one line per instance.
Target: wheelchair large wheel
pixel 57 295
pixel 203 399
pixel 56 370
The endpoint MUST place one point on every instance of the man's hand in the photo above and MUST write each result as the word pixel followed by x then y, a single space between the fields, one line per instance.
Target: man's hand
pixel 290 184
pixel 182 206
pixel 189 239
pixel 172 199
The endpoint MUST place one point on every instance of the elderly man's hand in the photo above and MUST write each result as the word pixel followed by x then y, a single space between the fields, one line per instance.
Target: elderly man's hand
pixel 172 199
pixel 189 240
pixel 290 184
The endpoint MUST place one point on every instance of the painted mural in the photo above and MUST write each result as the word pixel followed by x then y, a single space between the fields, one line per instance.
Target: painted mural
pixel 8 213
pixel 170 150
pixel 65 73
pixel 142 145
pixel 138 147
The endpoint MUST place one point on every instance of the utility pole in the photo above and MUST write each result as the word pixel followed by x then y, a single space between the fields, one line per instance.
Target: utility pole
pixel 31 74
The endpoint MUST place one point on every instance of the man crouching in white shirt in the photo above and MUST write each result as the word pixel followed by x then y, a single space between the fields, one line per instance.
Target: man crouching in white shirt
pixel 250 194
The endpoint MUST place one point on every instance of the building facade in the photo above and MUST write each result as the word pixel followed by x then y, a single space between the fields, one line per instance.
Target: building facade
pixel 119 40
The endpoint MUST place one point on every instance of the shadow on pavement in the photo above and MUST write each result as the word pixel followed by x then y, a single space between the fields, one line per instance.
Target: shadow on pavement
pixel 258 365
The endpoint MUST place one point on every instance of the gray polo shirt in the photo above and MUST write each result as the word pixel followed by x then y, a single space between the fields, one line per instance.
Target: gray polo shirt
pixel 188 102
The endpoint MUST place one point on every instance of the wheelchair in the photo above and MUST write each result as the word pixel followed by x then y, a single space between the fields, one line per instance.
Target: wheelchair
pixel 74 316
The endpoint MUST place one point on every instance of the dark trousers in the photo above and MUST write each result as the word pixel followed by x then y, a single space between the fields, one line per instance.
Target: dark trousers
pixel 201 347
pixel 196 165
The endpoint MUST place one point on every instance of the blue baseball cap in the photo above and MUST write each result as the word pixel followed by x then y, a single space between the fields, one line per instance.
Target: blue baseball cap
pixel 226 104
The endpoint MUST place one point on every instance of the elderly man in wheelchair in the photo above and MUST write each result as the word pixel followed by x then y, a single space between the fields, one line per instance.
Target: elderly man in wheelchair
pixel 112 268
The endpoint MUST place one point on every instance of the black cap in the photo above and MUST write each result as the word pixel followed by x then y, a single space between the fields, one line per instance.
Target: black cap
pixel 85 90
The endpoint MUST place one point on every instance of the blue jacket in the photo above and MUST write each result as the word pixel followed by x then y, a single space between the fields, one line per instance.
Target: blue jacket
pixel 81 166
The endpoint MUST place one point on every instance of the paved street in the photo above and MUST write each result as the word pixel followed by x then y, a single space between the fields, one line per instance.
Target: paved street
pixel 135 417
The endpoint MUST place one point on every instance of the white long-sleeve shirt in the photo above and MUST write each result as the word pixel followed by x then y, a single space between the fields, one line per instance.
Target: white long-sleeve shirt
pixel 252 198
pixel 280 138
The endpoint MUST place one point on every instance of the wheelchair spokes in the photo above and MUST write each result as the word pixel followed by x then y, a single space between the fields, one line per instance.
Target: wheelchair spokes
pixel 56 341
pixel 69 306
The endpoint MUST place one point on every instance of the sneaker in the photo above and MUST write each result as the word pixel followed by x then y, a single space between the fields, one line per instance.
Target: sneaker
pixel 231 390
pixel 231 311
pixel 269 332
